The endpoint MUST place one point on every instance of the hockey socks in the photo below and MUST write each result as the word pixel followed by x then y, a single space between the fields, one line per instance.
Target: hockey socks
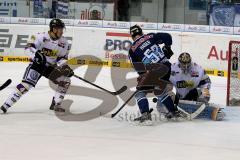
pixel 143 105
pixel 168 102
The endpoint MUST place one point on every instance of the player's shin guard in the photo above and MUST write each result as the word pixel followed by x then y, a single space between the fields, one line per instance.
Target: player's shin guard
pixel 20 90
pixel 59 95
pixel 142 102
pixel 168 103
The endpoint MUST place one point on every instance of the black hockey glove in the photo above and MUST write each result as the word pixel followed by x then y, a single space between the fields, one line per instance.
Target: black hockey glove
pixel 67 71
pixel 59 71
pixel 167 51
pixel 40 58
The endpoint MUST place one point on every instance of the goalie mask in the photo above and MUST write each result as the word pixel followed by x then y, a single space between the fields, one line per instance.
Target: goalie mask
pixel 185 62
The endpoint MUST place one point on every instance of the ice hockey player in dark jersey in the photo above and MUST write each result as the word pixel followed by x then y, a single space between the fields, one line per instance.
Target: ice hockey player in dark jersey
pixel 154 69
pixel 48 53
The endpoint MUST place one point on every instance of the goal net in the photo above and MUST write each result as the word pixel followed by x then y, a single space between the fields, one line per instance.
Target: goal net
pixel 233 82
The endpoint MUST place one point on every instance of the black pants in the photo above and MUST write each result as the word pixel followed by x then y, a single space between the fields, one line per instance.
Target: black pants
pixel 35 71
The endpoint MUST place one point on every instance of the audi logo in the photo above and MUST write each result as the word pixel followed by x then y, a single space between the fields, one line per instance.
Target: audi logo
pixel 34 21
pixel 93 23
pixel 123 25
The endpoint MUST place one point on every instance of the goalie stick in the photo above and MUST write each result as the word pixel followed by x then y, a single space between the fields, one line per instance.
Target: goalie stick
pixel 189 116
pixel 4 85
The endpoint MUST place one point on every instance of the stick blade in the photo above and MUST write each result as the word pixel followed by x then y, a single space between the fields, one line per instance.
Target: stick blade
pixel 9 81
pixel 121 90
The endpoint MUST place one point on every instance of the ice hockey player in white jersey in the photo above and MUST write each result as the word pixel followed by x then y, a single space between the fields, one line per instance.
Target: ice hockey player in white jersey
pixel 48 54
pixel 192 83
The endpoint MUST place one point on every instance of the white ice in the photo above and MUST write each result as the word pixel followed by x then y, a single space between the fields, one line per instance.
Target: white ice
pixel 31 132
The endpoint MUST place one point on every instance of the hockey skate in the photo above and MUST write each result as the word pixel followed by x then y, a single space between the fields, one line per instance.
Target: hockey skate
pixel 55 107
pixel 176 116
pixel 4 110
pixel 145 119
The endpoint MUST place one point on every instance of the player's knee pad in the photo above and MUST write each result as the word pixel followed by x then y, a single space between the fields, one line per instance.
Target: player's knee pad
pixel 23 88
pixel 63 84
pixel 140 95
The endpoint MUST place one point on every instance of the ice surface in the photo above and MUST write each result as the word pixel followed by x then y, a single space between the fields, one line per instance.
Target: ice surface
pixel 31 132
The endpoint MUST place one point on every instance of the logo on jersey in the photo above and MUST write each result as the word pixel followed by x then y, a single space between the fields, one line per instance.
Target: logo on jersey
pixel 194 74
pixel 61 44
pixel 34 75
pixel 140 41
pixel 46 40
pixel 185 84
pixel 33 38
pixel 49 52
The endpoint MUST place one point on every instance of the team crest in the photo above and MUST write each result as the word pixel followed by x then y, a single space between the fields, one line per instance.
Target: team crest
pixel 34 75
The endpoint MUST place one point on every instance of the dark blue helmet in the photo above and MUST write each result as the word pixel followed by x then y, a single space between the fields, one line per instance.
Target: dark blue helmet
pixel 56 23
pixel 136 30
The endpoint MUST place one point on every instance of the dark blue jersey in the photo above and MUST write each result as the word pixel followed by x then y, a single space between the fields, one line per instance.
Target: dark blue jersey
pixel 146 48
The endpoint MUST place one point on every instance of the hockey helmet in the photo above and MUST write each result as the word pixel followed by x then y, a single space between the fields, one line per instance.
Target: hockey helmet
pixel 56 23
pixel 135 30
pixel 185 61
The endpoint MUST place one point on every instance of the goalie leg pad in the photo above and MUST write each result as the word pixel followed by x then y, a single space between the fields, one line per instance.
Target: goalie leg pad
pixel 217 114
pixel 209 112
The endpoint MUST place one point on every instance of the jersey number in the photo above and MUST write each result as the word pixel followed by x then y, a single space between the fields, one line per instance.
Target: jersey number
pixel 154 54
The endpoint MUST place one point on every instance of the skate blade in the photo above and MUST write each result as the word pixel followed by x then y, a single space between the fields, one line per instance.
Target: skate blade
pixel 145 123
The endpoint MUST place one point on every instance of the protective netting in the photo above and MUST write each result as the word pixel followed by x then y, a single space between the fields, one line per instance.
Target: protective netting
pixel 233 95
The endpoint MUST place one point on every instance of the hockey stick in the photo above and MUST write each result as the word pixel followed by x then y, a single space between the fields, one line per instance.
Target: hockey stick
pixel 9 81
pixel 114 114
pixel 124 104
pixel 193 115
pixel 121 90
pixel 190 116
